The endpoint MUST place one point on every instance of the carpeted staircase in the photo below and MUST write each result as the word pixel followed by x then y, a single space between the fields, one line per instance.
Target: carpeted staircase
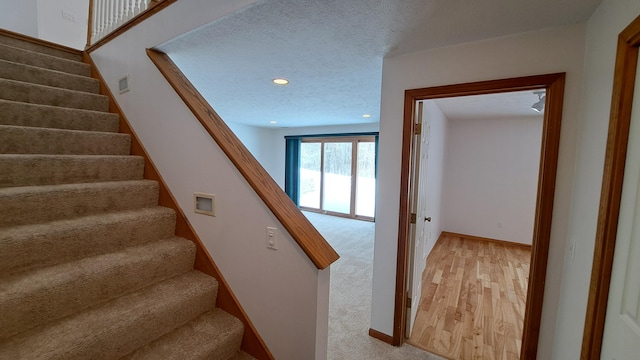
pixel 90 267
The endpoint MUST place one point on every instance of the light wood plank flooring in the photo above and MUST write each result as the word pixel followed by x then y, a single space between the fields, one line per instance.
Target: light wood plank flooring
pixel 473 299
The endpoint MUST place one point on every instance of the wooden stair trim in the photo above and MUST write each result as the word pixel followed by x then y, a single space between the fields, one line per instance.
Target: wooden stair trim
pixel 303 232
pixel 37 41
pixel 252 343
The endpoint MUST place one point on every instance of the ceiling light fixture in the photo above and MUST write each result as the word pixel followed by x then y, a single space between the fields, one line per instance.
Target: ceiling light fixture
pixel 273 122
pixel 280 81
pixel 539 105
pixel 366 116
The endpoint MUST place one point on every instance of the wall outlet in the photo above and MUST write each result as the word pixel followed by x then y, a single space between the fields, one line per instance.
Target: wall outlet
pixel 499 225
pixel 272 242
pixel 68 16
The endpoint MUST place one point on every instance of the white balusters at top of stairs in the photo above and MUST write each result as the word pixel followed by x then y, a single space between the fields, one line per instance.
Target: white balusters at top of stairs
pixel 109 15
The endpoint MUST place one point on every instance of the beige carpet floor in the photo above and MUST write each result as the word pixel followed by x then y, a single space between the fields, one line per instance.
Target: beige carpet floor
pixel 350 294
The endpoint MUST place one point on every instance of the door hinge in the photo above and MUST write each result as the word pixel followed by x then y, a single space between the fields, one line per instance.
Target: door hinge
pixel 408 301
pixel 417 129
pixel 413 217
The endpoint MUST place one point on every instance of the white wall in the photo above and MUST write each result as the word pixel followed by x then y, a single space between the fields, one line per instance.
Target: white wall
pixel 19 16
pixel 491 177
pixel 44 19
pixel 548 51
pixel 263 145
pixel 438 137
pixel 70 30
pixel 603 28
pixel 283 293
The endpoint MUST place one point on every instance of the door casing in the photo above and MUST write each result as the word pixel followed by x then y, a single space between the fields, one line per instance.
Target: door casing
pixel 554 87
pixel 614 163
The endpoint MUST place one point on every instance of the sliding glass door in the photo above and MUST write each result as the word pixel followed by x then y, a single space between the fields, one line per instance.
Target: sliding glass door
pixel 365 204
pixel 337 176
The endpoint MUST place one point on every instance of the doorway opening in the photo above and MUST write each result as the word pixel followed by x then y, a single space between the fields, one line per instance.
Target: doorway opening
pixel 476 167
pixel 553 85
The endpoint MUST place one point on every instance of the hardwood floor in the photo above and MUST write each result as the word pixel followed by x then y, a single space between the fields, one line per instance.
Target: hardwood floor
pixel 473 299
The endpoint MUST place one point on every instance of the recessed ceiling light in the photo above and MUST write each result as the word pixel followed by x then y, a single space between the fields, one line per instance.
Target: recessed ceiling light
pixel 273 122
pixel 280 81
pixel 366 115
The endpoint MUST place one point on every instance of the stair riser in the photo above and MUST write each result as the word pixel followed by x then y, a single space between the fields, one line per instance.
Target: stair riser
pixel 31 247
pixel 124 324
pixel 7 40
pixel 46 95
pixel 26 170
pixel 25 140
pixel 20 207
pixel 52 293
pixel 35 75
pixel 23 114
pixel 44 61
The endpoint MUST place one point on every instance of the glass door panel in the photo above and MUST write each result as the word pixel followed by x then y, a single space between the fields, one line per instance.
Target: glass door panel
pixel 366 179
pixel 337 177
pixel 310 162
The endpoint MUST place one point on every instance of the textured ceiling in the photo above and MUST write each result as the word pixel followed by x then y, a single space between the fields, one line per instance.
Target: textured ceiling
pixel 332 51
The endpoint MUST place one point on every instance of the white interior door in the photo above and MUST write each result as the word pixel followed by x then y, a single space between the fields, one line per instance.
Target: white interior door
pixel 418 207
pixel 621 339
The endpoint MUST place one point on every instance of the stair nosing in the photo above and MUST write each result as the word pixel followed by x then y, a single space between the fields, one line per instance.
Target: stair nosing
pixel 61 187
pixel 37 53
pixel 87 79
pixel 67 131
pixel 43 44
pixel 53 88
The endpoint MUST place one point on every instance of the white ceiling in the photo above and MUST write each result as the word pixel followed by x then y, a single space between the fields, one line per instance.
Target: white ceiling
pixel 515 104
pixel 332 51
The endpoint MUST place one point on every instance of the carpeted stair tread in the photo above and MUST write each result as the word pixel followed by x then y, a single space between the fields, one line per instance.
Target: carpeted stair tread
pixel 35 169
pixel 121 325
pixel 28 57
pixel 34 246
pixel 35 115
pixel 241 355
pixel 34 298
pixel 72 54
pixel 36 75
pixel 30 140
pixel 34 204
pixel 48 95
pixel 213 335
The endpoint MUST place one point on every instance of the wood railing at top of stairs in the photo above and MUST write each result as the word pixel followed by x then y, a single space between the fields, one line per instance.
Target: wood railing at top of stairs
pixel 308 238
pixel 110 18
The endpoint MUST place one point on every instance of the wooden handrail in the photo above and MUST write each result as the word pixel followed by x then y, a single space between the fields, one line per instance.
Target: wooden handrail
pixel 308 238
